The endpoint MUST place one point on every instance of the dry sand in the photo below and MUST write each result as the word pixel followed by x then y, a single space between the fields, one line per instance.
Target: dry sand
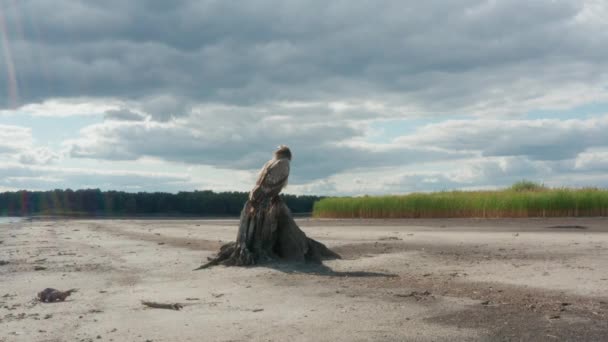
pixel 400 280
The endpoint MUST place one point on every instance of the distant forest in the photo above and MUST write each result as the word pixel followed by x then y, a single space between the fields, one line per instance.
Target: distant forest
pixel 94 202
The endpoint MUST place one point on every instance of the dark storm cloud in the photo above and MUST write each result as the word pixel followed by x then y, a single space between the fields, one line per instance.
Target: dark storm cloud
pixel 436 54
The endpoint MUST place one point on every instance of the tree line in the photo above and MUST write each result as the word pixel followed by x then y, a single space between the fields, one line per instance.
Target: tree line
pixel 94 202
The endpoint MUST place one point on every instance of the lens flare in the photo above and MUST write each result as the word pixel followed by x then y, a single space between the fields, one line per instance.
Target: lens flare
pixel 11 75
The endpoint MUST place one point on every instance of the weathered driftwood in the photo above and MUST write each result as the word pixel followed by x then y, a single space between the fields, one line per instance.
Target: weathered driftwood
pixel 267 233
pixel 168 306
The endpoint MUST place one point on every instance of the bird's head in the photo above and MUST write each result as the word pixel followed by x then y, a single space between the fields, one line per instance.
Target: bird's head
pixel 282 152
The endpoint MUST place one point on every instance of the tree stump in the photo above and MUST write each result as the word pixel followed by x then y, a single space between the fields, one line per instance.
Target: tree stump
pixel 268 232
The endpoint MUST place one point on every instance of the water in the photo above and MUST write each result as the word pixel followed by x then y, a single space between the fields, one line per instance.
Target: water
pixel 9 219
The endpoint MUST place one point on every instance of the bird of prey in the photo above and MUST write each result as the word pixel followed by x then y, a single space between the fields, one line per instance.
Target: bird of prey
pixel 272 179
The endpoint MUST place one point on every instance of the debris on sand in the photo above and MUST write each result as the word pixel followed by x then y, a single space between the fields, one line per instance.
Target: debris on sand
pixel 257 310
pixel 39 268
pixel 174 306
pixel 3 262
pixel 50 295
pixel 568 227
pixel 388 238
pixel 415 294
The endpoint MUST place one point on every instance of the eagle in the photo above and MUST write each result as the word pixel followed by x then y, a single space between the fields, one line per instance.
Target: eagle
pixel 272 179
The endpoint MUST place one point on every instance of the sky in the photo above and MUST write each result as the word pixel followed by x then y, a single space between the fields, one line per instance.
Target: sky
pixel 372 97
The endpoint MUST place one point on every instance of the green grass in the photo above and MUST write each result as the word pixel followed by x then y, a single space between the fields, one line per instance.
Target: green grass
pixel 525 185
pixel 517 201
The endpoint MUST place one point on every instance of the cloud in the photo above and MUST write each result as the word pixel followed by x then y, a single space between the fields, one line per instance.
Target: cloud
pixel 14 138
pixel 40 155
pixel 464 174
pixel 486 58
pixel 234 138
pixel 220 84
pixel 65 107
pixel 542 139
pixel 16 176
pixel 122 115
pixel 17 143
pixel 595 161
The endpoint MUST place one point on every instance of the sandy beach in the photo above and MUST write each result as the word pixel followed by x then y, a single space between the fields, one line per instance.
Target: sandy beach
pixel 399 280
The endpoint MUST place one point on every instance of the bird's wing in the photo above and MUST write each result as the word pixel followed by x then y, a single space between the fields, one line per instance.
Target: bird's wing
pixel 272 178
pixel 276 173
pixel 264 172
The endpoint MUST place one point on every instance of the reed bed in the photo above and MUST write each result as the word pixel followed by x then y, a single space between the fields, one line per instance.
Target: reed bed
pixel 512 202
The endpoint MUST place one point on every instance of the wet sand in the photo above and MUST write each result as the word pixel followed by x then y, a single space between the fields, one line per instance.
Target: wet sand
pixel 400 280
